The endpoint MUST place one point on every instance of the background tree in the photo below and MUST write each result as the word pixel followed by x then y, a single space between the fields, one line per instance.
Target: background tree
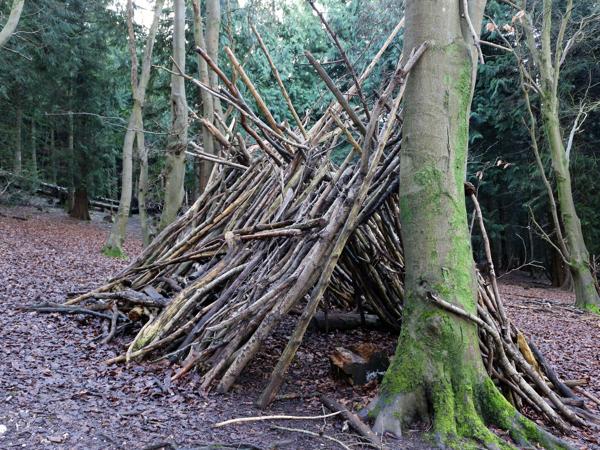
pixel 134 133
pixel 13 20
pixel 174 171
pixel 548 60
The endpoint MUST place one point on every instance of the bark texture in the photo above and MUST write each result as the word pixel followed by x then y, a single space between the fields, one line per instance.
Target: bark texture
pixel 19 141
pixel 437 375
pixel 206 100
pixel 177 144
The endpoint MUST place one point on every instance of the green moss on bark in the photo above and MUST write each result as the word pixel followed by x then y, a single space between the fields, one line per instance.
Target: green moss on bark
pixel 113 252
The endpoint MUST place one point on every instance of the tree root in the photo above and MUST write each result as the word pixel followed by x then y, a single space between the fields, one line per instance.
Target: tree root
pixel 454 421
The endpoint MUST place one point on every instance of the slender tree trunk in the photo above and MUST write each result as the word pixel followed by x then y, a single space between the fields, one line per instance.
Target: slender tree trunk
pixel 34 165
pixel 143 181
pixel 53 157
pixel 206 100
pixel 177 143
pixel 70 164
pixel 213 29
pixel 12 22
pixel 578 256
pixel 18 141
pixel 114 244
pixel 437 375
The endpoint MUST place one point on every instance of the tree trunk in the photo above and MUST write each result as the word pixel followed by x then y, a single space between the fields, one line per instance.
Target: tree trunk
pixel 12 22
pixel 53 157
pixel 213 27
pixel 579 259
pixel 34 165
pixel 70 165
pixel 114 244
pixel 206 100
pixel 143 182
pixel 18 141
pixel 177 143
pixel 81 203
pixel 437 375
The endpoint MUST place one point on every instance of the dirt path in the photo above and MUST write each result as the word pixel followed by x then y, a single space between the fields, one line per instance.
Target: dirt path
pixel 55 393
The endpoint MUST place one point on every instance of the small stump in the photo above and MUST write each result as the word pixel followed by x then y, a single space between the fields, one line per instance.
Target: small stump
pixel 360 365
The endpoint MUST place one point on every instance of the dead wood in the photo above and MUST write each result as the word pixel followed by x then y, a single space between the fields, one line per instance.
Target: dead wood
pixel 282 229
pixel 353 420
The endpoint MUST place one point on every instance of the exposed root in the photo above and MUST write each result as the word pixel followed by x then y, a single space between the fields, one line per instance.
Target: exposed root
pixel 454 421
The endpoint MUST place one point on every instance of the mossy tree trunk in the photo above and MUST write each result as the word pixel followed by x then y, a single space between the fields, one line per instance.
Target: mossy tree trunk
pixel 437 375
pixel 177 142
pixel 550 65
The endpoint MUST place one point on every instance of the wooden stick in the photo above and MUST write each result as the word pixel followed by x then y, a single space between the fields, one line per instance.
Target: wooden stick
pixel 259 101
pixel 358 425
pixel 275 417
pixel 337 93
pixel 282 88
pixel 312 433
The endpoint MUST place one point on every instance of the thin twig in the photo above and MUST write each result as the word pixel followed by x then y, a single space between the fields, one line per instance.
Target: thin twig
pixel 276 417
pixel 312 433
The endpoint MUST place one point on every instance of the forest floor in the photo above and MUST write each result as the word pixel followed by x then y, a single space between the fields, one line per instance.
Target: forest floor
pixel 56 393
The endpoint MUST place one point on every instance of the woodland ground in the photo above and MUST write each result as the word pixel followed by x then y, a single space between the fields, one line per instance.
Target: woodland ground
pixel 56 393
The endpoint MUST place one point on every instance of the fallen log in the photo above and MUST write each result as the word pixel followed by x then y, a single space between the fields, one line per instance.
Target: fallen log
pixel 345 321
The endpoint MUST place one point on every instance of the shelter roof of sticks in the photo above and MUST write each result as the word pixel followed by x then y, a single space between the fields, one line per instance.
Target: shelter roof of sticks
pixel 280 227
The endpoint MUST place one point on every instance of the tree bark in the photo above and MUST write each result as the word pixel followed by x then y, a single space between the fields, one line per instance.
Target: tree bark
pixel 177 142
pixel 80 208
pixel 114 244
pixel 34 165
pixel 18 141
pixel 578 257
pixel 143 182
pixel 53 156
pixel 12 22
pixel 70 164
pixel 213 28
pixel 437 375
pixel 206 100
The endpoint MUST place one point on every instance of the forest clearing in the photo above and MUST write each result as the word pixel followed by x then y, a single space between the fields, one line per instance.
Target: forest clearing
pixel 300 224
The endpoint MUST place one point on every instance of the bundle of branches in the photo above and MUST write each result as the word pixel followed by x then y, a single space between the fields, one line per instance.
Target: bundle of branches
pixel 280 227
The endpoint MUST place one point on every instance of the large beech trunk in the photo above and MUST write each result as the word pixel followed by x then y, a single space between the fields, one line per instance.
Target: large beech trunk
pixel 437 375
